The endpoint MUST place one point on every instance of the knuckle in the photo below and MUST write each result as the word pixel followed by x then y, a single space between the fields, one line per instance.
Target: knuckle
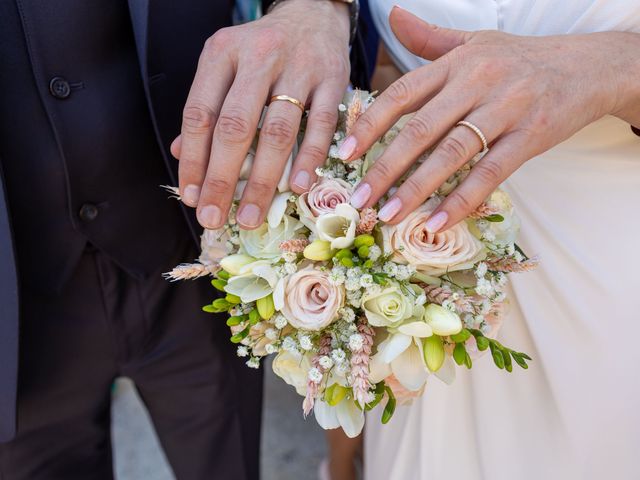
pixel 488 172
pixel 365 124
pixel 454 150
pixel 383 170
pixel 316 154
pixel 413 188
pixel 325 119
pixel 418 128
pixel 399 92
pixel 217 185
pixel 197 118
pixel 233 127
pixel 460 201
pixel 218 41
pixel 268 40
pixel 278 132
pixel 262 188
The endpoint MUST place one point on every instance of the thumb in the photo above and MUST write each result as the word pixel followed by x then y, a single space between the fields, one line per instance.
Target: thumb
pixel 424 39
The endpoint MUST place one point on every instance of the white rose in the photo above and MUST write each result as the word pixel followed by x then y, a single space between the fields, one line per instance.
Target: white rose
pixel 339 227
pixel 264 241
pixel 293 368
pixel 432 254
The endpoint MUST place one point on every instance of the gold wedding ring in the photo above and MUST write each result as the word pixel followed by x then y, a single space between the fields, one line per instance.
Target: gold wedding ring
pixel 478 132
pixel 289 99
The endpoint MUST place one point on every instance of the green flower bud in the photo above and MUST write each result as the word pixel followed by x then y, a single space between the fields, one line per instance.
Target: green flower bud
pixel 433 352
pixel 363 252
pixel 364 240
pixel 265 307
pixel 219 284
pixel 318 250
pixel 233 299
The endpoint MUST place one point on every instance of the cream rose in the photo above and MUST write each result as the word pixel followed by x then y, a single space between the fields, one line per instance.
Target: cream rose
pixel 432 254
pixel 308 299
pixel 323 197
pixel 388 307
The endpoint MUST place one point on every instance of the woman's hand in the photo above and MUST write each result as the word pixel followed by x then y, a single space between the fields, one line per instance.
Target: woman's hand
pixel 526 94
pixel 301 49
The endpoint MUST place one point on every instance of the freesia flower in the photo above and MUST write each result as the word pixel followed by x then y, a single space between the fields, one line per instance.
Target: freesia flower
pixel 432 254
pixel 338 227
pixel 253 281
pixel 442 321
pixel 345 414
pixel 264 241
pixel 308 299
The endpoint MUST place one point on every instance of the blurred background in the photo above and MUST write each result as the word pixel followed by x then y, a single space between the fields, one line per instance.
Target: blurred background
pixel 292 447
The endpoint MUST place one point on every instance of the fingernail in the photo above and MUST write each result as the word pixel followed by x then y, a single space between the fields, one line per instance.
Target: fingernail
pixel 435 222
pixel 191 195
pixel 301 180
pixel 210 216
pixel 361 195
pixel 390 209
pixel 347 148
pixel 249 215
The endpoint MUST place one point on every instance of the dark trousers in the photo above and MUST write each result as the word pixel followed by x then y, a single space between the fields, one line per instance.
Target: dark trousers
pixel 204 402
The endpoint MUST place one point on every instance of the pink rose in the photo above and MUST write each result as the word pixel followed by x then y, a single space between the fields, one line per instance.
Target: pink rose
pixel 323 197
pixel 308 299
pixel 432 254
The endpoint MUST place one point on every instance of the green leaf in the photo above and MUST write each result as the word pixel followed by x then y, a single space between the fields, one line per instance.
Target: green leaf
pixel 219 284
pixel 519 360
pixel 390 407
pixel 524 355
pixel 379 279
pixel 461 337
pixel 459 353
pixel 494 218
pixel 374 403
pixel 483 343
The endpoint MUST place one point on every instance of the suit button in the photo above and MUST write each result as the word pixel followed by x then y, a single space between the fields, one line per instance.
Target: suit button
pixel 59 88
pixel 88 212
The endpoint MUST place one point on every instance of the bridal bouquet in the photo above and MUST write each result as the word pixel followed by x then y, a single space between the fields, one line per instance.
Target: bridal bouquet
pixel 358 312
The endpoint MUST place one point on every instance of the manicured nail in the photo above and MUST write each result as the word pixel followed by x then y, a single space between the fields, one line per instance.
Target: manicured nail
pixel 361 195
pixel 390 209
pixel 301 180
pixel 347 148
pixel 249 215
pixel 191 195
pixel 210 216
pixel 436 222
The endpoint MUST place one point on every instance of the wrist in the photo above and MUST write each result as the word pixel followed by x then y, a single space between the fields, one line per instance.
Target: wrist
pixel 626 71
pixel 337 12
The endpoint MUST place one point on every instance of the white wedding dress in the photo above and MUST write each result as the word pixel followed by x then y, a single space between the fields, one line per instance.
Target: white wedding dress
pixel 575 414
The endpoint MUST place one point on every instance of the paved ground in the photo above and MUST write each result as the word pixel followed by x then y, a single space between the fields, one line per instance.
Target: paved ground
pixel 291 446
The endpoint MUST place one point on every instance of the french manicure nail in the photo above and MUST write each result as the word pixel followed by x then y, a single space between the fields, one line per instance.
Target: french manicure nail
pixel 390 209
pixel 436 222
pixel 301 180
pixel 210 216
pixel 191 195
pixel 347 148
pixel 249 215
pixel 361 195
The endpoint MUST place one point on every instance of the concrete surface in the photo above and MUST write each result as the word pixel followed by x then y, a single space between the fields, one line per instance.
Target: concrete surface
pixel 291 446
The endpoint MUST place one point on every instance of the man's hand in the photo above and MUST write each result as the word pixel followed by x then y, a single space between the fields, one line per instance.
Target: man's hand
pixel 300 50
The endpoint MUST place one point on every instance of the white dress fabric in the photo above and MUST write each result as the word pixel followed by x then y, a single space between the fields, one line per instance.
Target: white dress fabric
pixel 575 414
